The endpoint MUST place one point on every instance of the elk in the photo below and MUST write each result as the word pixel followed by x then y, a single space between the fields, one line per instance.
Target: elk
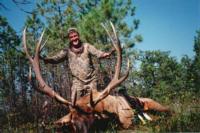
pixel 94 106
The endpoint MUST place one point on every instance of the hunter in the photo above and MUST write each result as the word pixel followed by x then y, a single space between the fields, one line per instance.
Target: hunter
pixel 80 63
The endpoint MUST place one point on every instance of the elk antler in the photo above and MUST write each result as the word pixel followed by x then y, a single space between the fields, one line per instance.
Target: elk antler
pixel 43 87
pixel 116 79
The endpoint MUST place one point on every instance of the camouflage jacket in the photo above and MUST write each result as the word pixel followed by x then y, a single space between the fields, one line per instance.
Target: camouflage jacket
pixel 80 63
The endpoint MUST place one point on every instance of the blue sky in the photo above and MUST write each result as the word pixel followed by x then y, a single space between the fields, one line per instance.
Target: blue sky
pixel 15 16
pixel 167 25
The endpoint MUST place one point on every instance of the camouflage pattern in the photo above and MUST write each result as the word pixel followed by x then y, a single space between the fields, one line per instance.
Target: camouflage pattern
pixel 83 72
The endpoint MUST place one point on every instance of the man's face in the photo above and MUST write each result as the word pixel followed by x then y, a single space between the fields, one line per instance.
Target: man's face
pixel 74 38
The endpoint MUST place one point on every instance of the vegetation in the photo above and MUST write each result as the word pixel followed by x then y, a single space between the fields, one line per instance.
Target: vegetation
pixel 159 76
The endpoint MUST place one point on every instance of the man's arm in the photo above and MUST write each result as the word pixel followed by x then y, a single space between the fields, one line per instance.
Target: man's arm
pixel 107 54
pixel 59 57
pixel 98 53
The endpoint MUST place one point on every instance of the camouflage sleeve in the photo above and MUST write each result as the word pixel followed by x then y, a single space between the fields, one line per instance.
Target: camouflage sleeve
pixel 94 51
pixel 59 57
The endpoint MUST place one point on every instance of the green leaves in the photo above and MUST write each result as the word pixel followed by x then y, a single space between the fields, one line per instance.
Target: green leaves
pixel 160 73
pixel 195 67
pixel 8 39
pixel 87 17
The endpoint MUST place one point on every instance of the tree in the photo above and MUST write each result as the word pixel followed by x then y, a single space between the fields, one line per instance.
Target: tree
pixel 187 73
pixel 160 75
pixel 9 53
pixel 196 63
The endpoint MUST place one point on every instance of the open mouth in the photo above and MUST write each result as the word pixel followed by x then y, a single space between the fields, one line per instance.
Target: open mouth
pixel 75 42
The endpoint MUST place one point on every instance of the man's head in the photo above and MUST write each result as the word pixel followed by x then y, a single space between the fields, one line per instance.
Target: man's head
pixel 73 36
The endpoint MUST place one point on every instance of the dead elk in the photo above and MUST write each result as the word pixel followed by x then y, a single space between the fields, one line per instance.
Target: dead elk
pixel 94 106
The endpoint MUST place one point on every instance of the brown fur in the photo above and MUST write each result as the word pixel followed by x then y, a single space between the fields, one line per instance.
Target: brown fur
pixel 116 105
pixel 150 104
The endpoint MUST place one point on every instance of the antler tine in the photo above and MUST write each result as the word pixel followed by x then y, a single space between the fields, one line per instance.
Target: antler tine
pixel 44 44
pixel 117 46
pixel 25 46
pixel 126 73
pixel 38 47
pixel 116 41
pixel 119 52
pixel 108 33
pixel 30 74
pixel 75 99
pixel 114 31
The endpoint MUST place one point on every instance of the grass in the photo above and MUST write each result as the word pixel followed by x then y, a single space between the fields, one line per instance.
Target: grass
pixel 185 118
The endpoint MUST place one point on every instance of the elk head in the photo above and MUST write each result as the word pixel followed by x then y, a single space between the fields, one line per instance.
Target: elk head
pixel 96 105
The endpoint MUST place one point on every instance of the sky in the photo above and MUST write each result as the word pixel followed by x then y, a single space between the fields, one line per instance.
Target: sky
pixel 167 25
pixel 15 16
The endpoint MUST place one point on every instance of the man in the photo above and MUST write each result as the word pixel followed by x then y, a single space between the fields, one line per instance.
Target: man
pixel 80 63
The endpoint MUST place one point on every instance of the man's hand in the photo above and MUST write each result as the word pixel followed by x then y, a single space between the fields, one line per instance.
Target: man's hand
pixel 105 55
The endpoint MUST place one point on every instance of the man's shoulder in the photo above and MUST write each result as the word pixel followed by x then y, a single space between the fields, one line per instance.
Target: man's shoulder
pixel 87 45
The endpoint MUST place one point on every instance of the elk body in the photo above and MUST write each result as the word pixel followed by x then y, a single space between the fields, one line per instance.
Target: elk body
pixel 96 105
